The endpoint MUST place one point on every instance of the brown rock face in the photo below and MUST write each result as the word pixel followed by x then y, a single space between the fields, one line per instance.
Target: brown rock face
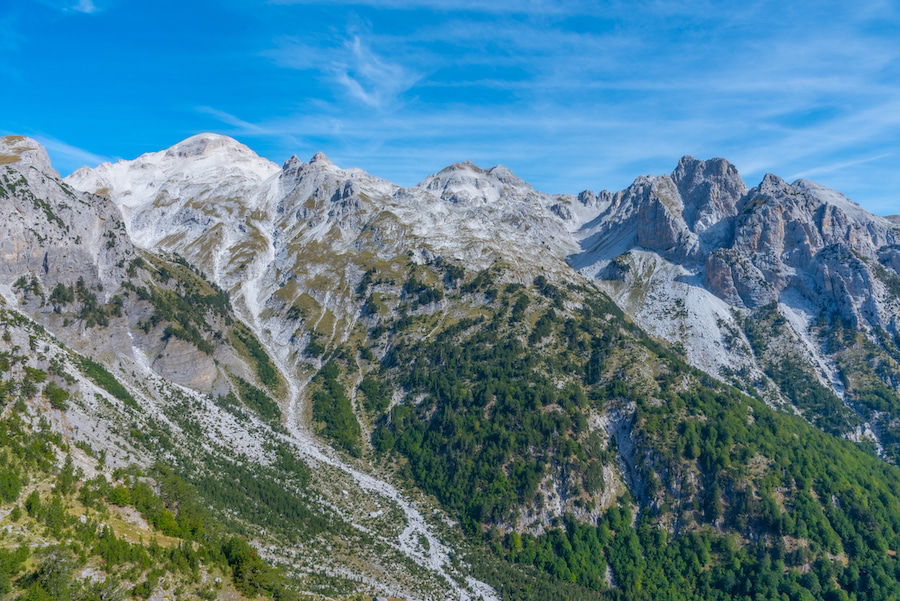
pixel 719 279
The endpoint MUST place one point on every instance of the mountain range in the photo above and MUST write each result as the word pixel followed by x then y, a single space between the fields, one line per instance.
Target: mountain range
pixel 465 389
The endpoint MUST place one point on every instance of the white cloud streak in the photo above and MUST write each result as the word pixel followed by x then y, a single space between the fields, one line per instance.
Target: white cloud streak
pixel 550 7
pixel 359 72
pixel 67 157
pixel 85 6
pixel 834 167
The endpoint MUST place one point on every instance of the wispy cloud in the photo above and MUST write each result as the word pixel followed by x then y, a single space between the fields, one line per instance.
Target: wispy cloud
pixel 834 167
pixel 85 7
pixel 478 6
pixel 242 128
pixel 352 64
pixel 67 157
pixel 772 87
pixel 369 78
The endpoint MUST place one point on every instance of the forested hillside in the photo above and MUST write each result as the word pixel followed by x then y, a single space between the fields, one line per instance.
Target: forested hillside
pixel 518 415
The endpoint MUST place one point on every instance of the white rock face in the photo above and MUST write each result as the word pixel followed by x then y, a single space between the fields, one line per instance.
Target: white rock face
pixel 55 234
pixel 203 179
pixel 243 220
pixel 270 235
pixel 216 203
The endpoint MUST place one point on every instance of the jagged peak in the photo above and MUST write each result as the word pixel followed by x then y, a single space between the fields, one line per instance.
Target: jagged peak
pixel 771 181
pixel 500 173
pixel 505 175
pixel 321 178
pixel 587 197
pixel 645 181
pixel 710 189
pixel 466 182
pixel 711 167
pixel 320 158
pixel 21 151
pixel 292 163
pixel 718 162
pixel 769 186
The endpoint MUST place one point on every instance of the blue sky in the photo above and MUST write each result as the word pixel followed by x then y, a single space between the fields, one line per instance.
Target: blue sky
pixel 569 95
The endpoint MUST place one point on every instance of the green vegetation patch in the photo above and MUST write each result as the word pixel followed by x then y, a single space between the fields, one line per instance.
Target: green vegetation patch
pixel 332 408
pixel 258 401
pixel 265 369
pixel 105 380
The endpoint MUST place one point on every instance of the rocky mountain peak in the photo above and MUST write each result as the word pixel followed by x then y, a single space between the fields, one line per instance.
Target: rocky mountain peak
pixel 506 176
pixel 201 156
pixel 320 158
pixel 697 232
pixel 50 229
pixel 466 183
pixel 822 195
pixel 770 185
pixel 462 166
pixel 21 152
pixel 587 197
pixel 578 210
pixel 292 164
pixel 207 165
pixel 714 167
pixel 806 215
pixel 710 190
pixel 206 144
pixel 648 214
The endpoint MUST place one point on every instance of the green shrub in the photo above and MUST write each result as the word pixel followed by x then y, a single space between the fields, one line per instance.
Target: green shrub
pixel 56 395
pixel 105 380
